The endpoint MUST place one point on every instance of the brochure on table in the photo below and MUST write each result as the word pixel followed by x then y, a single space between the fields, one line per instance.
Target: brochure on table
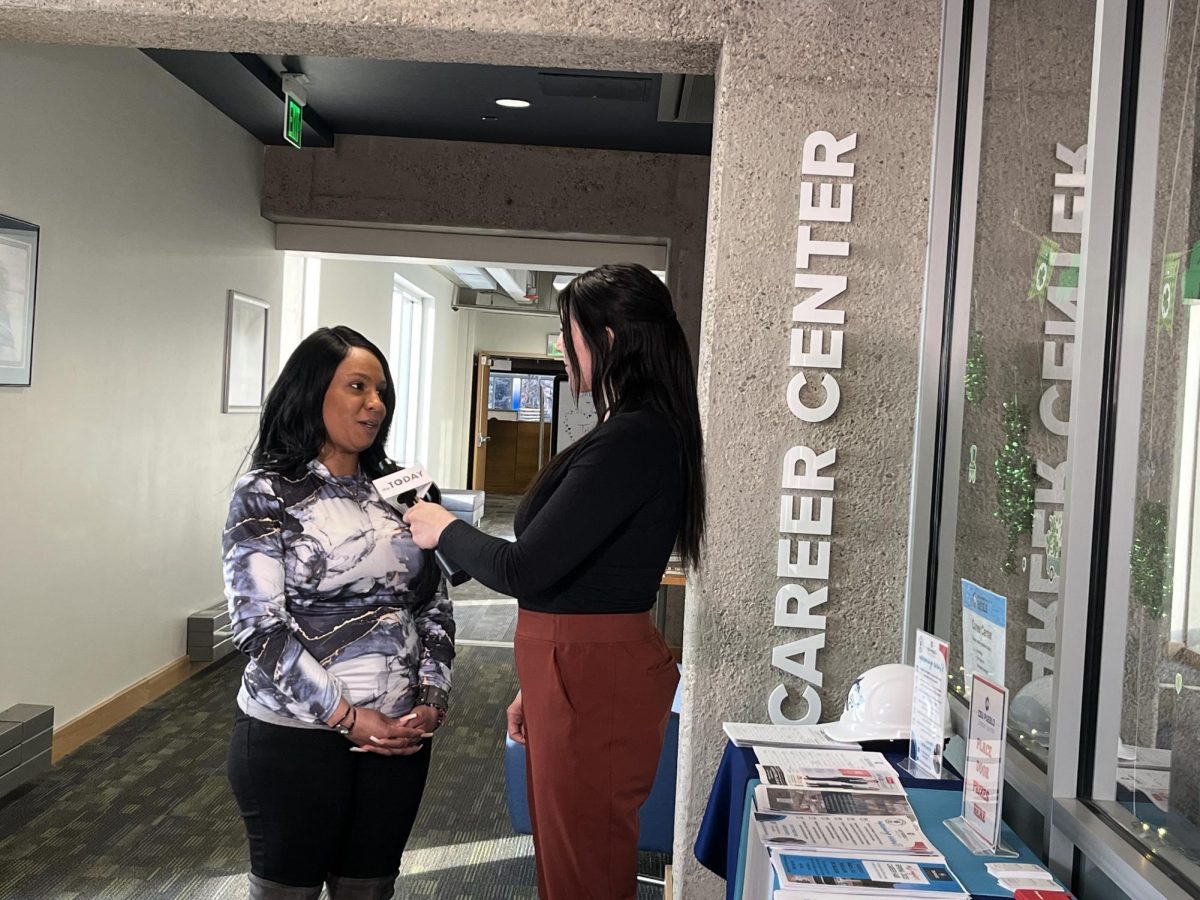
pixel 983 777
pixel 834 770
pixel 931 666
pixel 833 876
pixel 838 823
pixel 746 734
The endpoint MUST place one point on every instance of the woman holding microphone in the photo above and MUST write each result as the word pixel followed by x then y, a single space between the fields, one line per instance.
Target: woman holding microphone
pixel 594 535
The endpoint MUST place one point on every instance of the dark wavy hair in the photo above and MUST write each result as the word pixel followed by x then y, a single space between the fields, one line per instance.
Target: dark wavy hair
pixel 646 364
pixel 291 431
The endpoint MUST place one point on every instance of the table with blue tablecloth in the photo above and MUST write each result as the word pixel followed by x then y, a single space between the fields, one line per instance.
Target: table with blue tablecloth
pixel 724 833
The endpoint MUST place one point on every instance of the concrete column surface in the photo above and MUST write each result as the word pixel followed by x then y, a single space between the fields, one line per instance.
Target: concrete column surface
pixel 504 188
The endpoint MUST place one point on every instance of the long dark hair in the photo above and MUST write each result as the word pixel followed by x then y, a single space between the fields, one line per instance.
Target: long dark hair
pixel 646 364
pixel 291 431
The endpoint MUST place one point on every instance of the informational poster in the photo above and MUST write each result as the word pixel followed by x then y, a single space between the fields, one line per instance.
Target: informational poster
pixel 984 623
pixel 930 670
pixel 983 776
pixel 571 420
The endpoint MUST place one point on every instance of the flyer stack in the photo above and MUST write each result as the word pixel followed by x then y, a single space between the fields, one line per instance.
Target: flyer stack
pixel 837 823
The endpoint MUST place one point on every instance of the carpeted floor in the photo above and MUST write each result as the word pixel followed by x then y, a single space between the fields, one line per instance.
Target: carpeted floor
pixel 145 810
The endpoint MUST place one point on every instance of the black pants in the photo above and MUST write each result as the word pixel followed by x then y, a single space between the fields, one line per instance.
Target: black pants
pixel 314 809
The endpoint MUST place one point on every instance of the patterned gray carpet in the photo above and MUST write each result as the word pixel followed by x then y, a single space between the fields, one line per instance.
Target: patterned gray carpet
pixel 145 811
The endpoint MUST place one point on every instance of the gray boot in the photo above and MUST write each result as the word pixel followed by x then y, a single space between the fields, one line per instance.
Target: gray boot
pixel 362 888
pixel 261 889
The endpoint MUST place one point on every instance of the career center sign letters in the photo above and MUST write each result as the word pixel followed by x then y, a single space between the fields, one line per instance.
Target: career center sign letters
pixel 812 396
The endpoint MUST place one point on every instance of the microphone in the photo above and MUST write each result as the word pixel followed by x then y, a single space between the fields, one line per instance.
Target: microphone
pixel 401 488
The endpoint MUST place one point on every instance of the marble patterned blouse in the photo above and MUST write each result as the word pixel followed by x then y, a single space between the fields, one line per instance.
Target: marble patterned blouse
pixel 317 575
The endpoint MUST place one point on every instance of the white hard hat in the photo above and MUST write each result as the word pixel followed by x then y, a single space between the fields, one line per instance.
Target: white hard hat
pixel 879 707
pixel 1029 711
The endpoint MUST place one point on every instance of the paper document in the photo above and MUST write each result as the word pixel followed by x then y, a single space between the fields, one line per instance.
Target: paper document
pixel 826 835
pixel 1154 784
pixel 1018 870
pixel 769 798
pixel 828 770
pixel 744 734
pixel 822 876
pixel 1028 884
pixel 1145 758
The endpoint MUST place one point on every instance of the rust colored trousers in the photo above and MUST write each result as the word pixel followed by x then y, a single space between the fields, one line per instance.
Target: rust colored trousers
pixel 597 692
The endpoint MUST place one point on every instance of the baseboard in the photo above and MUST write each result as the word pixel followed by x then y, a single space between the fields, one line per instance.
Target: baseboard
pixel 70 736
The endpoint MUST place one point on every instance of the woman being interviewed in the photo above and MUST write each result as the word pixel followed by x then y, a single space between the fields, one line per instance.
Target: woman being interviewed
pixel 594 535
pixel 348 629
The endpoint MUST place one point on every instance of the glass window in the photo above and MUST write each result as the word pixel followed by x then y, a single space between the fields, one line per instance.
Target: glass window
pixel 1008 423
pixel 529 396
pixel 1157 764
pixel 500 393
pixel 408 342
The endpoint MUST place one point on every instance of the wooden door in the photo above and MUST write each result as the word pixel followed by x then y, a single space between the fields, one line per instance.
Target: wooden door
pixel 479 440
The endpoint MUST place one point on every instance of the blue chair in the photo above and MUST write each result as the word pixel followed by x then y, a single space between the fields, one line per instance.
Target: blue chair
pixel 657 817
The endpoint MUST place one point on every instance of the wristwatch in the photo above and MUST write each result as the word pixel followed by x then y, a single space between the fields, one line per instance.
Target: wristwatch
pixel 437 698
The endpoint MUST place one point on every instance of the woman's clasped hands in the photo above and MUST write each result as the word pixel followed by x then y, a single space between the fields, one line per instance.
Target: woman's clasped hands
pixel 373 732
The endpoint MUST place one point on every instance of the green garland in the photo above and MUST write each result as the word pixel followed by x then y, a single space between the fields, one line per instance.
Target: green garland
pixel 1015 480
pixel 1150 560
pixel 975 379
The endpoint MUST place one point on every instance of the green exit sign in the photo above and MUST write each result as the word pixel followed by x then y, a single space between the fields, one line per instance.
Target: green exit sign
pixel 293 121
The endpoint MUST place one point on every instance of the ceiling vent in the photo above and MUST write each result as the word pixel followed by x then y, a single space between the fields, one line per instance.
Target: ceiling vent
pixel 596 87
pixel 473 277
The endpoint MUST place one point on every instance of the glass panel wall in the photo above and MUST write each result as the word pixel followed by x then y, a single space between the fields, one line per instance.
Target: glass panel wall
pixel 1010 395
pixel 1157 757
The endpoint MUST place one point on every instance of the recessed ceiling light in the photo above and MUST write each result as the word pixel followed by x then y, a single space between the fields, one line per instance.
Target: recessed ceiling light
pixel 513 103
pixel 490 118
pixel 561 281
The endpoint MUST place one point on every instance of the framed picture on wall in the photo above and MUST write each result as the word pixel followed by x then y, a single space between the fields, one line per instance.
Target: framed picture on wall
pixel 245 353
pixel 18 291
pixel 552 345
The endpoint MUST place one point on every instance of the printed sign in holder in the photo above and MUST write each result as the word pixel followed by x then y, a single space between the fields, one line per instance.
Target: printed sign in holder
pixel 984 623
pixel 979 826
pixel 927 731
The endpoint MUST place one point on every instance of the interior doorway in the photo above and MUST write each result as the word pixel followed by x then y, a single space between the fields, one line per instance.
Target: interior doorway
pixel 512 421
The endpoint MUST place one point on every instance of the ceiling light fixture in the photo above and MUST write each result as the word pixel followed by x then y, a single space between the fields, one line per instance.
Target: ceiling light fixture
pixel 513 103
pixel 561 281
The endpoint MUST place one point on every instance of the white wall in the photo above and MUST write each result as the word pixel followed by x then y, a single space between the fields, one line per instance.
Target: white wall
pixel 512 333
pixel 358 294
pixel 450 379
pixel 117 461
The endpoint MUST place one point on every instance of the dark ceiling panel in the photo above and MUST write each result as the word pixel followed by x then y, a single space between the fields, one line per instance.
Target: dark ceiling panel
pixel 570 108
pixel 635 88
pixel 244 88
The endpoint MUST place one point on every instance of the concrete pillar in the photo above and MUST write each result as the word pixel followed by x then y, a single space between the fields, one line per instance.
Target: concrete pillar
pixel 503 188
pixel 871 73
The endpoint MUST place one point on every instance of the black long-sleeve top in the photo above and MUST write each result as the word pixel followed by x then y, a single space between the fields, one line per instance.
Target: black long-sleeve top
pixel 597 537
